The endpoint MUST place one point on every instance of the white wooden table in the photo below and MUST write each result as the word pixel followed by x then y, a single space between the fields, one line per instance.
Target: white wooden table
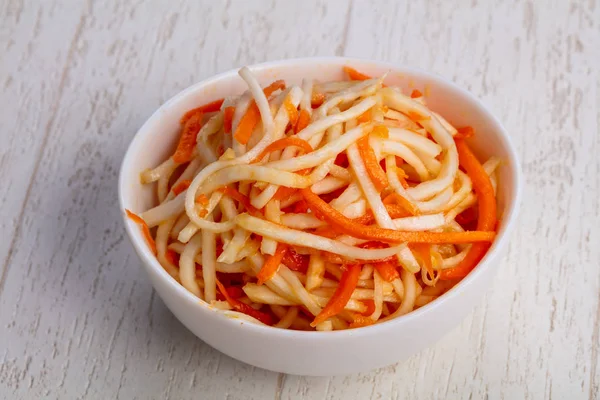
pixel 78 318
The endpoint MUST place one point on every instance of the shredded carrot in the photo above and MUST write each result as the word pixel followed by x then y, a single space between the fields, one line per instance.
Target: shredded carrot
pixel 187 141
pixel 274 86
pixel 423 251
pixel 317 99
pixel 487 210
pixel 387 270
pixel 285 192
pixel 247 123
pixel 172 257
pixel 342 294
pixel 401 201
pixel 295 261
pixel 394 210
pixel 381 131
pixel 370 307
pixel 203 213
pixel 355 75
pixel 416 94
pixel 181 186
pixel 464 132
pixel 208 107
pixel 271 265
pixel 350 227
pixel 291 110
pixel 402 177
pixel 360 321
pixel 364 117
pixel 228 118
pixel 417 117
pixel 282 144
pixel 466 217
pixel 376 173
pixel 233 291
pixel 243 200
pixel 243 307
pixel 303 121
pixel 202 200
pixel 145 230
pixel 300 207
pixel 246 126
pixel 341 160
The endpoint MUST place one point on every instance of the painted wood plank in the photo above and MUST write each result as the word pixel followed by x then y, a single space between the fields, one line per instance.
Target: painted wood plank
pixel 536 334
pixel 79 319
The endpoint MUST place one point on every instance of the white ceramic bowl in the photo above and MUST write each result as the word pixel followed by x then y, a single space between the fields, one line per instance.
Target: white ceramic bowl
pixel 322 353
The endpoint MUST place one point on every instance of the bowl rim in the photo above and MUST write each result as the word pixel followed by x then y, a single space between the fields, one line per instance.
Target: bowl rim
pixel 509 217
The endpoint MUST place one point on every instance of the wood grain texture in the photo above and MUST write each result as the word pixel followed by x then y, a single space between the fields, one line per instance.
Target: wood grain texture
pixel 79 320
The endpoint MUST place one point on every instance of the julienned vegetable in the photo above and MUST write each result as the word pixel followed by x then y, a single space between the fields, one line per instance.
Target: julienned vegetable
pixel 327 206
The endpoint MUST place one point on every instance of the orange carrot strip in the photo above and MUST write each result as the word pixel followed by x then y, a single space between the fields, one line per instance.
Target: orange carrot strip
pixel 417 117
pixel 247 123
pixel 250 119
pixel 395 211
pixel 416 94
pixel 243 200
pixel 278 84
pixel 370 307
pixel 341 296
pixel 285 192
pixel 295 261
pixel 350 227
pixel 291 110
pixel 467 216
pixel 387 270
pixel 172 257
pixel 364 117
pixel 181 186
pixel 355 75
pixel 243 307
pixel 464 132
pixel 228 118
pixel 303 121
pixel 402 178
pixel 487 210
pixel 423 251
pixel 401 201
pixel 281 144
pixel 145 230
pixel 209 107
pixel 271 266
pixel 202 200
pixel 381 131
pixel 187 141
pixel 317 99
pixel 376 173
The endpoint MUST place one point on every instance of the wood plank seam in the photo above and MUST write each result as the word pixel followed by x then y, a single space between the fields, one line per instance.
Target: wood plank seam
pixel 47 130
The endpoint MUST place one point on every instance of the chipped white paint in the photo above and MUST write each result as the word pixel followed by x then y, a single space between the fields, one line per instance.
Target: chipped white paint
pixel 79 320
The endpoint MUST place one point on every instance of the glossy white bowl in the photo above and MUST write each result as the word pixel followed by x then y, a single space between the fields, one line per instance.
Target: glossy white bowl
pixel 322 353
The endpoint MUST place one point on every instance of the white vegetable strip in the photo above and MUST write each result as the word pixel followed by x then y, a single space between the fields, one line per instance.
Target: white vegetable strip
pixel 415 141
pixel 187 265
pixel 289 236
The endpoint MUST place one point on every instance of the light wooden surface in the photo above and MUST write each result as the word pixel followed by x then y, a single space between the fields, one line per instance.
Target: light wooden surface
pixel 78 318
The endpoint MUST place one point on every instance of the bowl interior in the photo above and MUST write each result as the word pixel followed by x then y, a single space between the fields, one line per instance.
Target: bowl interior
pixel 156 140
